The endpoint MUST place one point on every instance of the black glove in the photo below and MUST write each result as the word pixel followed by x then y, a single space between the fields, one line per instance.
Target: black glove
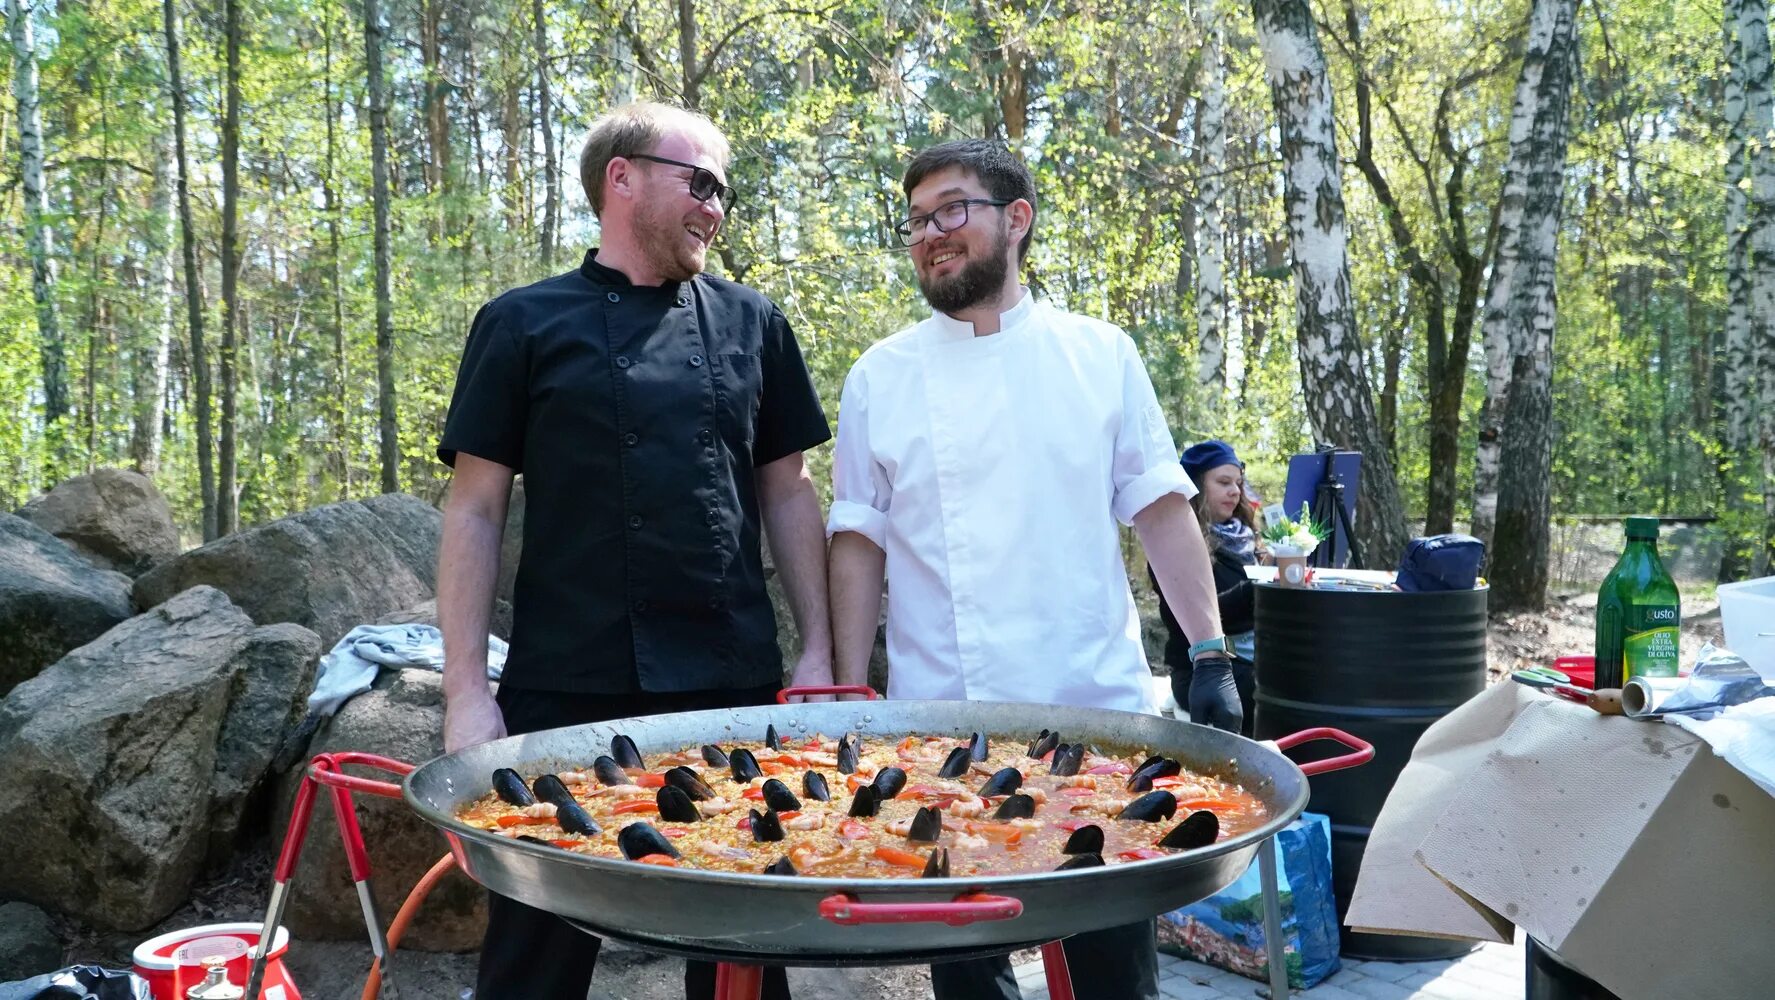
pixel 1214 695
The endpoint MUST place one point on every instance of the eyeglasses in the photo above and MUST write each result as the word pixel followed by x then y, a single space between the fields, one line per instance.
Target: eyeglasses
pixel 703 183
pixel 946 219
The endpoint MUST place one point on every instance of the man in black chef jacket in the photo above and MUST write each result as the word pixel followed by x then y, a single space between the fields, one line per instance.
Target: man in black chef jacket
pixel 659 417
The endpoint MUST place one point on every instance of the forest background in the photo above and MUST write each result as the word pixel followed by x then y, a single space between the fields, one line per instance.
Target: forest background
pixel 245 239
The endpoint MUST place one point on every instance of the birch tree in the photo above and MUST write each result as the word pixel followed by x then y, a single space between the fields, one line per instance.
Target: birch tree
pixel 1334 380
pixel 39 233
pixel 551 166
pixel 200 365
pixel 1517 425
pixel 1210 246
pixel 150 372
pixel 1738 375
pixel 227 494
pixel 1752 25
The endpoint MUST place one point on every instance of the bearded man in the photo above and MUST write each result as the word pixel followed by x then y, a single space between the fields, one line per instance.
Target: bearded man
pixel 984 458
pixel 659 418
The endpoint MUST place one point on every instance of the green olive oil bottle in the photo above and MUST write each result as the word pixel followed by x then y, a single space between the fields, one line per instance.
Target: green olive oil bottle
pixel 1638 612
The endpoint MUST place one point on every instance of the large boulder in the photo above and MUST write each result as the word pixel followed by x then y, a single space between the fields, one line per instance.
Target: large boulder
pixel 28 943
pixel 326 569
pixel 112 759
pixel 416 528
pixel 401 717
pixel 277 666
pixel 113 517
pixel 427 614
pixel 51 600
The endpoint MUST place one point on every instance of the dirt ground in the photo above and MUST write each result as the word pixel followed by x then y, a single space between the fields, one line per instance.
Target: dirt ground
pixel 335 970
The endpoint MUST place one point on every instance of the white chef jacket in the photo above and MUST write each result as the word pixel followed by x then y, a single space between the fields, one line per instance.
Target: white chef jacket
pixel 992 471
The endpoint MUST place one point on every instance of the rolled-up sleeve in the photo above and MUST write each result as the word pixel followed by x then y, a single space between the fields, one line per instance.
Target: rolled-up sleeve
pixel 861 492
pixel 1145 467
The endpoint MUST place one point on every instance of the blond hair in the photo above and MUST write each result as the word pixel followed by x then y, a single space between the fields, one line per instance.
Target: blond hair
pixel 637 128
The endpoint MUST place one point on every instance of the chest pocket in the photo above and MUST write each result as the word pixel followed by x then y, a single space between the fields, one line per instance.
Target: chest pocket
pixel 739 387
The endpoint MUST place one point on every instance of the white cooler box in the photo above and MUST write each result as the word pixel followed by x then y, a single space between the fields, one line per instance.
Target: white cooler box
pixel 1748 612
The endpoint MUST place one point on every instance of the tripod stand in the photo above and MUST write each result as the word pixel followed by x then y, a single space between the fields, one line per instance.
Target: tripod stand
pixel 1329 497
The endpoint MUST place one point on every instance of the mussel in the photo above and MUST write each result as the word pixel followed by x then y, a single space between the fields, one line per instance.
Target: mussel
pixel 1198 829
pixel 510 787
pixel 781 866
pixel 638 840
pixel 867 802
pixel 847 755
pixel 1081 861
pixel 743 766
pixel 688 781
pixel 927 825
pixel 814 784
pixel 1004 781
pixel 609 773
pixel 771 739
pixel 956 764
pixel 1151 807
pixel 977 747
pixel 778 797
pixel 1067 759
pixel 623 750
pixel 1155 767
pixel 766 827
pixel 569 815
pixel 675 805
pixel 714 756
pixel 1017 806
pixel 526 838
pixel 549 788
pixel 888 781
pixel 1085 840
pixel 1043 744
pixel 937 865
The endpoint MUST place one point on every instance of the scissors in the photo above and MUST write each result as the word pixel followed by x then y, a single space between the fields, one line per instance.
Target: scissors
pixel 1554 682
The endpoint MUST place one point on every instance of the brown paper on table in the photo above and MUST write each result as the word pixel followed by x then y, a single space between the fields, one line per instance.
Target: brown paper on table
pixel 1395 893
pixel 1626 845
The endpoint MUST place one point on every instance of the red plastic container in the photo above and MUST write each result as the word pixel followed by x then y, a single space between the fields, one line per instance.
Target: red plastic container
pixel 154 962
pixel 1581 669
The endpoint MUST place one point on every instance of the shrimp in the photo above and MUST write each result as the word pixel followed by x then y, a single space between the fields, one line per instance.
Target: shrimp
pixel 900 827
pixel 807 821
pixel 968 807
pixel 971 841
pixel 1079 781
pixel 575 778
pixel 539 810
pixel 717 807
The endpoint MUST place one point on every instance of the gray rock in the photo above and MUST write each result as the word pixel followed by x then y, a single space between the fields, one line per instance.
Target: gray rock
pixel 110 755
pixel 28 943
pixel 113 517
pixel 511 546
pixel 276 672
pixel 51 600
pixel 416 527
pixel 327 569
pixel 401 717
pixel 427 614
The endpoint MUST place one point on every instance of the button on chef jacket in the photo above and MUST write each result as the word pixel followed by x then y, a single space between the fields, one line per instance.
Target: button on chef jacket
pixel 637 415
pixel 992 471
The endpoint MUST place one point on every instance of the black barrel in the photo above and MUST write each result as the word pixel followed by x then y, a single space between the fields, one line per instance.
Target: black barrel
pixel 1549 977
pixel 1382 665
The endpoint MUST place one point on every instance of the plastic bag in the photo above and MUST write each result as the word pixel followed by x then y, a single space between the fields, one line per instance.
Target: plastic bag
pixel 78 982
pixel 1226 929
pixel 1441 562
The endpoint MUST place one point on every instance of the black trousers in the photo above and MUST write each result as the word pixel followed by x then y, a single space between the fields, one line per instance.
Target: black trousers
pixel 531 954
pixel 1117 963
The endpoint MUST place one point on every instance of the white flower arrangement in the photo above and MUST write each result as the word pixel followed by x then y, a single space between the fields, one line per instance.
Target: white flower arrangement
pixel 1295 537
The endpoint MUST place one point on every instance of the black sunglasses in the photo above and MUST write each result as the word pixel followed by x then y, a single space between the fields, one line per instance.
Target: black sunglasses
pixel 703 183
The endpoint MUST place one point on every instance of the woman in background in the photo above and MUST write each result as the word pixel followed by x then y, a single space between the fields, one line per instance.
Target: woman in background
pixel 1219 692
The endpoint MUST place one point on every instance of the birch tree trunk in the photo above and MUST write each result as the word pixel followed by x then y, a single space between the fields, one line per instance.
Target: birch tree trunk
pixel 227 495
pixel 1506 329
pixel 150 372
pixel 340 406
pixel 1752 24
pixel 1738 374
pixel 1211 244
pixel 389 450
pixel 1334 380
pixel 1520 311
pixel 39 236
pixel 551 168
pixel 200 364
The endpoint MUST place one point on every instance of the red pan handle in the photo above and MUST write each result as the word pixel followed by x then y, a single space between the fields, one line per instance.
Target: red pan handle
pixel 1364 749
pixel 967 908
pixel 785 694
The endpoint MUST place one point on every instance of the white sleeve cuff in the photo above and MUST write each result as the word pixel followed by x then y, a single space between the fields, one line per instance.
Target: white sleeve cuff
pixel 1133 498
pixel 848 515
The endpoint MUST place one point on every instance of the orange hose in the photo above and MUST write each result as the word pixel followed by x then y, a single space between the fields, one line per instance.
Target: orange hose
pixel 414 900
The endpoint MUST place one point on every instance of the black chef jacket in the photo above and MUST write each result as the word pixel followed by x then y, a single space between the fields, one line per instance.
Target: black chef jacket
pixel 637 416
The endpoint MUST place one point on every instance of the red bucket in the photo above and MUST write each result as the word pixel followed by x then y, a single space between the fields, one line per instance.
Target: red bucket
pixel 154 961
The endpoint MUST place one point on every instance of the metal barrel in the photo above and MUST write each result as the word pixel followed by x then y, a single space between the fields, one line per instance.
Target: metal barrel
pixel 1383 665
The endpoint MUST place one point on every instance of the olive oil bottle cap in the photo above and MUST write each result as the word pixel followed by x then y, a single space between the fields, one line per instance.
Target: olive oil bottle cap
pixel 1642 529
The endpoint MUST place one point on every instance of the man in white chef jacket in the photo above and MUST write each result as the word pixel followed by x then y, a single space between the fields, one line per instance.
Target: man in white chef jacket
pixel 984 457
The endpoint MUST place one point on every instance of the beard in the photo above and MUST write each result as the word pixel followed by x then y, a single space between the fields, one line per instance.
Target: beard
pixel 979 280
pixel 665 244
